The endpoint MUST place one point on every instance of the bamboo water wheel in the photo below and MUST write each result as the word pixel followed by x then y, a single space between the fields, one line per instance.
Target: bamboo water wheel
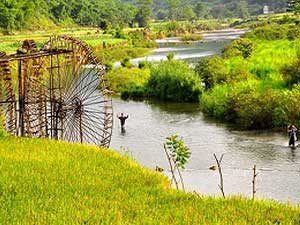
pixel 56 91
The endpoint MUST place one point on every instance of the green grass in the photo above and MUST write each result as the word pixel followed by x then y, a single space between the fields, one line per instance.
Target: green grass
pixel 106 47
pixel 50 182
pixel 10 43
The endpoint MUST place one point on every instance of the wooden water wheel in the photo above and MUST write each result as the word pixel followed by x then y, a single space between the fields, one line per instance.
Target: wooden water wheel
pixel 56 91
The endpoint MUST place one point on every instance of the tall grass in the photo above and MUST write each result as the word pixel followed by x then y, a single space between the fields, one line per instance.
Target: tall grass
pixel 50 182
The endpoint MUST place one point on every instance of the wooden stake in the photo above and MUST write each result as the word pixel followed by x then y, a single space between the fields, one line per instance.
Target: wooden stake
pixel 254 182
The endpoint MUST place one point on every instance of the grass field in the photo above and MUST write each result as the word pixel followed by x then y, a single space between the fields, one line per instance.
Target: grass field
pixel 91 36
pixel 52 182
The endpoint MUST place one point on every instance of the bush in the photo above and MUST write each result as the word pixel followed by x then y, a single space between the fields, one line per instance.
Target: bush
pixel 293 33
pixel 274 32
pixel 174 80
pixel 212 71
pixel 242 46
pixel 133 91
pixel 142 38
pixel 126 62
pixel 250 105
pixel 144 64
pixel 291 73
pixel 251 109
pixel 191 37
pixel 122 79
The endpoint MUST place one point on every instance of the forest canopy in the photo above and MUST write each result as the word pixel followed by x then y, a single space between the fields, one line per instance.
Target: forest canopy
pixel 37 14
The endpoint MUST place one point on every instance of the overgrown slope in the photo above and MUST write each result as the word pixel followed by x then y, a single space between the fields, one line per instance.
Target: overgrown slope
pixel 49 182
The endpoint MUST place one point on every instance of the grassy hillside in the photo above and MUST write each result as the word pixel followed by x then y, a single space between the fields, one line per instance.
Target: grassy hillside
pixel 49 182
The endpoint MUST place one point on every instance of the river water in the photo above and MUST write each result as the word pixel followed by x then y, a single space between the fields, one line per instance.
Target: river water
pixel 212 44
pixel 150 122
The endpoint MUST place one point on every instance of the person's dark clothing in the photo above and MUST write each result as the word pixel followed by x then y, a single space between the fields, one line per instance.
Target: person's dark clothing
pixel 122 119
pixel 292 134
pixel 292 138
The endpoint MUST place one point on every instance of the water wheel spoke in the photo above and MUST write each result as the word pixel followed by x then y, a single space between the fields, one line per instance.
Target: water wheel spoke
pixel 57 94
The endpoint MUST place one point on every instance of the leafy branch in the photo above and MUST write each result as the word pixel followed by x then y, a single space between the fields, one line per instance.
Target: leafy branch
pixel 177 154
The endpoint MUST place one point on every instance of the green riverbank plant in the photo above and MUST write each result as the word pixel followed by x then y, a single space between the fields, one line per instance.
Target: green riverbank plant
pixel 129 82
pixel 53 182
pixel 173 80
pixel 177 154
pixel 212 71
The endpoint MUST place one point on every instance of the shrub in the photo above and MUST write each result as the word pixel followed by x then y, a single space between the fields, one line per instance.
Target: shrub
pixel 287 111
pixel 214 102
pixel 174 80
pixel 212 71
pixel 238 69
pixel 119 33
pixel 126 62
pixel 248 105
pixel 121 79
pixel 191 37
pixel 291 73
pixel 142 38
pixel 274 32
pixel 133 91
pixel 144 64
pixel 251 109
pixel 170 56
pixel 242 46
pixel 293 33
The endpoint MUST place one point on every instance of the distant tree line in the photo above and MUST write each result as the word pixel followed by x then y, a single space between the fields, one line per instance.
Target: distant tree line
pixel 193 9
pixel 27 14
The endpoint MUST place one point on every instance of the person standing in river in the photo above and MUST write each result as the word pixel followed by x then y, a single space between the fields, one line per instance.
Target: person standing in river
pixel 122 117
pixel 292 135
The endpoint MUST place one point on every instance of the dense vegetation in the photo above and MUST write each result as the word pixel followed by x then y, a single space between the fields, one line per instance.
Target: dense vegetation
pixel 260 88
pixel 171 80
pixel 107 14
pixel 50 182
pixel 186 9
pixel 39 14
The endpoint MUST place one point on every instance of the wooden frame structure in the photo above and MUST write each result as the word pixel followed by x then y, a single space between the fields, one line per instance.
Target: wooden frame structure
pixel 56 91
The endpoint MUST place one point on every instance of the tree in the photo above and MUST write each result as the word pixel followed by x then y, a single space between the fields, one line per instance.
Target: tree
pixel 245 46
pixel 173 8
pixel 218 11
pixel 242 9
pixel 144 12
pixel 188 12
pixel 297 8
pixel 293 6
pixel 200 10
pixel 212 70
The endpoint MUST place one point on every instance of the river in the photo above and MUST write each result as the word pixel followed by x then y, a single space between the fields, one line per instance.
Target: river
pixel 150 122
